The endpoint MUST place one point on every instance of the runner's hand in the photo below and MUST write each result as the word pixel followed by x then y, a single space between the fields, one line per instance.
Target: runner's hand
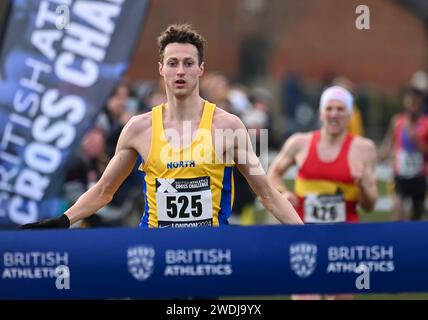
pixel 61 222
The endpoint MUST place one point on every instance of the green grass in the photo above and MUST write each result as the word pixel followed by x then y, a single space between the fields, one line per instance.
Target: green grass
pixel 376 216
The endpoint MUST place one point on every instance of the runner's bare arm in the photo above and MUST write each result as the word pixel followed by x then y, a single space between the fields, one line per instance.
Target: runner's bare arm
pixel 386 146
pixel 422 141
pixel 367 182
pixel 119 167
pixel 283 161
pixel 251 168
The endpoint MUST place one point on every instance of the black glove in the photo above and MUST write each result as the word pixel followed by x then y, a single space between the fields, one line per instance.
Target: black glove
pixel 61 222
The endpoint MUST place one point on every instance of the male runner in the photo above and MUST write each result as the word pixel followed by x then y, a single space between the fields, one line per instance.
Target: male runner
pixel 408 138
pixel 336 170
pixel 188 147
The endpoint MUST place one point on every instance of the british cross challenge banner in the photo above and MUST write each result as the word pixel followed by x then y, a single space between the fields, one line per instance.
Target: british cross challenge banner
pixel 60 60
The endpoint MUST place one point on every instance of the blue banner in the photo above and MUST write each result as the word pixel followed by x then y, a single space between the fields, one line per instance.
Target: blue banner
pixel 60 60
pixel 210 262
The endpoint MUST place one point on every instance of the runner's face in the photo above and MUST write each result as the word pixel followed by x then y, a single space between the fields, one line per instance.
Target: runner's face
pixel 335 117
pixel 412 103
pixel 180 69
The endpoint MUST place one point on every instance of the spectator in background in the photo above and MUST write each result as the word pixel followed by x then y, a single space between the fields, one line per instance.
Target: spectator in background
pixel 297 100
pixel 115 115
pixel 255 120
pixel 156 97
pixel 238 97
pixel 215 88
pixel 263 105
pixel 291 95
pixel 407 138
pixel 120 107
pixel 150 94
pixel 86 167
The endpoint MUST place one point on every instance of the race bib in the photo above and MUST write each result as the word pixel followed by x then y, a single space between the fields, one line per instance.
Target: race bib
pixel 184 203
pixel 409 164
pixel 324 208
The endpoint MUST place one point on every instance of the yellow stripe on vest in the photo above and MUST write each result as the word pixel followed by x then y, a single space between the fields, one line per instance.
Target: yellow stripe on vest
pixel 304 187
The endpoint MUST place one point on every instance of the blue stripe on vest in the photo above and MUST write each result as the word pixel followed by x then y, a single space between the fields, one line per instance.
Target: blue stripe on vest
pixel 145 219
pixel 226 197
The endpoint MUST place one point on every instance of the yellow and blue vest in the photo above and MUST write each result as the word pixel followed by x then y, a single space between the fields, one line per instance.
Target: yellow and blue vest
pixel 188 186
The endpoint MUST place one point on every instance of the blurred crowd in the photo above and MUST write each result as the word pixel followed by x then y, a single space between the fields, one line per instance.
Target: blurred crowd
pixel 293 107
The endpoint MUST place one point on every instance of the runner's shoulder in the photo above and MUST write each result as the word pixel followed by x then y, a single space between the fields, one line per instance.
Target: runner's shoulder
pixel 299 140
pixel 364 144
pixel 225 120
pixel 140 123
pixel 424 118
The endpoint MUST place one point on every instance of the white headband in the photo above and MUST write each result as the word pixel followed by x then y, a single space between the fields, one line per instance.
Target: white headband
pixel 337 93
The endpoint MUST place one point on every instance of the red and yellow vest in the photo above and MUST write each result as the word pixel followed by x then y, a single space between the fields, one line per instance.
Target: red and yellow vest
pixel 326 190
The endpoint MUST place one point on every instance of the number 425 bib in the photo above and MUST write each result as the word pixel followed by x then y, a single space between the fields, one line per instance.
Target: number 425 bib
pixel 184 202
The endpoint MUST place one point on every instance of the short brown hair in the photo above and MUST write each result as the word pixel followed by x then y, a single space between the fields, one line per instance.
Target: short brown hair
pixel 181 33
